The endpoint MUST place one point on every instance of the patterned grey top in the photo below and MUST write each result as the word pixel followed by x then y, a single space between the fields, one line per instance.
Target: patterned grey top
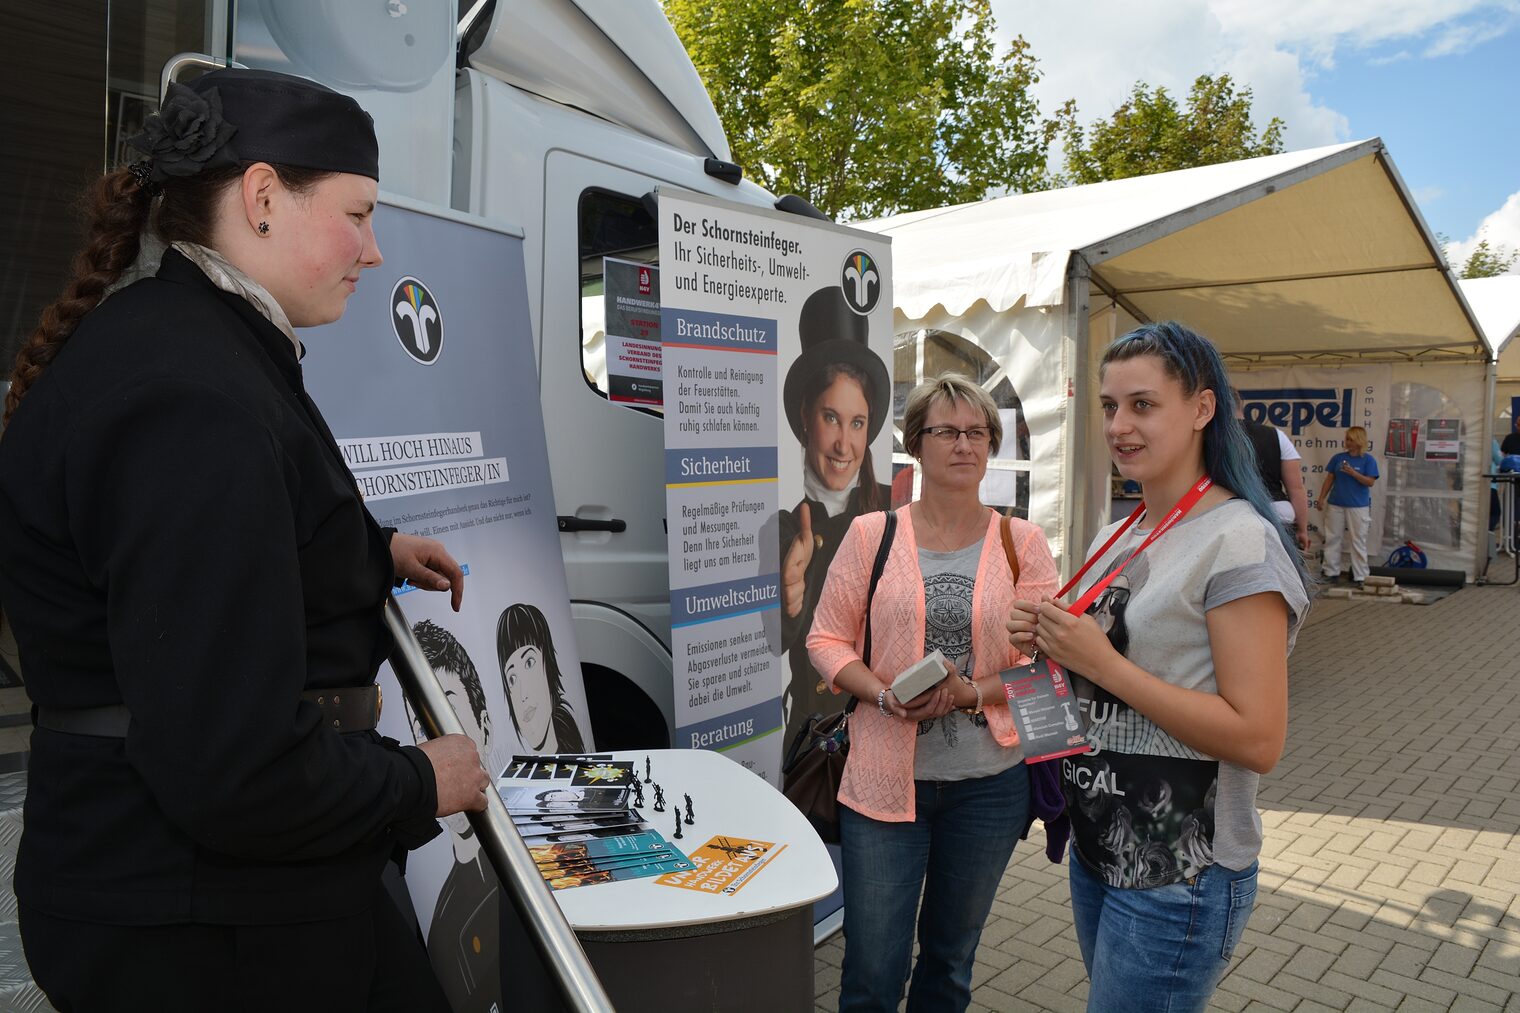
pixel 956 747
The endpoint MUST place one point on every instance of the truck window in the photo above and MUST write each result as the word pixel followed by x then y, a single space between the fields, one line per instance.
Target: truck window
pixel 921 353
pixel 618 226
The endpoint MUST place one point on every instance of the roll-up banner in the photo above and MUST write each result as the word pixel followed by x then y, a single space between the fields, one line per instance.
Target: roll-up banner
pixel 776 334
pixel 429 385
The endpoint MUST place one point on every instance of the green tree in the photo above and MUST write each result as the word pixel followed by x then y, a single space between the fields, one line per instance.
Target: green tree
pixel 1489 261
pixel 869 107
pixel 1150 132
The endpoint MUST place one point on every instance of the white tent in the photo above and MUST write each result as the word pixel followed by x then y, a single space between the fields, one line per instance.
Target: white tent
pixel 1311 258
pixel 1496 303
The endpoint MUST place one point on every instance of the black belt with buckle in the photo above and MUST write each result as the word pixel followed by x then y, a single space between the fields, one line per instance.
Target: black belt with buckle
pixel 344 709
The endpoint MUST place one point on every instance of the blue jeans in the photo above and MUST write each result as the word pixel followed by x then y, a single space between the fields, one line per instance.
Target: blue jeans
pixel 955 850
pixel 1162 949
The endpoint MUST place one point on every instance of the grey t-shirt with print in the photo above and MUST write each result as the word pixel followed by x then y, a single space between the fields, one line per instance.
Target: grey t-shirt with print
pixel 956 747
pixel 1146 808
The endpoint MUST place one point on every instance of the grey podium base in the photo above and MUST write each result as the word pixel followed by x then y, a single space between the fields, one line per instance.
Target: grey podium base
pixel 754 965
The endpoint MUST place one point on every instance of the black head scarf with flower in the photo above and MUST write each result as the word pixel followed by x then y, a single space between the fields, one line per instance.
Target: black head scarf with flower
pixel 186 135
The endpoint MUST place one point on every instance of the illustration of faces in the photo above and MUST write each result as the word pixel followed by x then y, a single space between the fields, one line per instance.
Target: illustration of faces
pixel 561 799
pixel 532 683
pixel 560 795
pixel 836 425
pixel 461 685
pixel 528 695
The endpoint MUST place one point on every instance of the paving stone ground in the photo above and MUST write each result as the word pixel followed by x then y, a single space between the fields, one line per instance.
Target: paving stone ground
pixel 1390 876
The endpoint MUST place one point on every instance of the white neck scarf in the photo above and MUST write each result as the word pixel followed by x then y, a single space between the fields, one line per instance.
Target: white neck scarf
pixel 833 501
pixel 230 279
pixel 214 266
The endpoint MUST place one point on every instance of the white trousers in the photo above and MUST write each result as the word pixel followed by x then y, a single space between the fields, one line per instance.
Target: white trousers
pixel 1338 522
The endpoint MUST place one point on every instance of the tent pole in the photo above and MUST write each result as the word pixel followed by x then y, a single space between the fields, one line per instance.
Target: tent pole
pixel 1486 537
pixel 1078 457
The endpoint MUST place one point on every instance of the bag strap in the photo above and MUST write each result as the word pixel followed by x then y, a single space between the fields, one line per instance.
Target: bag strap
pixel 1008 550
pixel 882 551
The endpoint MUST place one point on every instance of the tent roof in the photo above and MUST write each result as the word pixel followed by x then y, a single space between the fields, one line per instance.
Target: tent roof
pixel 1496 303
pixel 1316 252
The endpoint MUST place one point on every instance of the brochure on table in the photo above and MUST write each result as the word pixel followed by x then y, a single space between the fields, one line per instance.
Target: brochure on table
pixel 753 852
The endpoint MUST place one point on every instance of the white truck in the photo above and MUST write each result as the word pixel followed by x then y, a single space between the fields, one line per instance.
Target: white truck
pixel 560 116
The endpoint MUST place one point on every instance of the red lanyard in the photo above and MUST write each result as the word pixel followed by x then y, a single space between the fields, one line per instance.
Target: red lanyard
pixel 1186 503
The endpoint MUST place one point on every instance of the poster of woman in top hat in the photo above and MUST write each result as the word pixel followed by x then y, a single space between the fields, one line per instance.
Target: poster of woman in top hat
pixel 837 397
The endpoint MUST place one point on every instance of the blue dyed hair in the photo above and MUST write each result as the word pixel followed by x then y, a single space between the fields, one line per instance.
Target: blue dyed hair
pixel 1228 457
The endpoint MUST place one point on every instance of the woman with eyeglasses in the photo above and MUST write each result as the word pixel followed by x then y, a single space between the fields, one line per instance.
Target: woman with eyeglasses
pixel 935 791
pixel 1178 650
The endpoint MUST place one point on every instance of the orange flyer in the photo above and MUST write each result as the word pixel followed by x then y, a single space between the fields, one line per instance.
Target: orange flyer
pixel 723 865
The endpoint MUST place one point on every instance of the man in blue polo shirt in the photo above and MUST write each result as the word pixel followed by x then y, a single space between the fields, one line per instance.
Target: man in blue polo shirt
pixel 1346 499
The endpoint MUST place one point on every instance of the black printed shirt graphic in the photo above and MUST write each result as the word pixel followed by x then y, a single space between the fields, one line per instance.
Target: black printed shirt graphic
pixel 947 629
pixel 1141 803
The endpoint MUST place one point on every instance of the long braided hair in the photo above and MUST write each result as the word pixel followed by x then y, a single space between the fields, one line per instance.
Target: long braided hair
pixel 118 209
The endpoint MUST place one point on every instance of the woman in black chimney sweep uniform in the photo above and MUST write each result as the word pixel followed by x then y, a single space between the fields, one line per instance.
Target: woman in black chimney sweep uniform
pixel 196 587
pixel 836 401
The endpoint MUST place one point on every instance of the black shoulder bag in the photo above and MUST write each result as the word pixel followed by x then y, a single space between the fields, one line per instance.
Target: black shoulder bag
pixel 815 760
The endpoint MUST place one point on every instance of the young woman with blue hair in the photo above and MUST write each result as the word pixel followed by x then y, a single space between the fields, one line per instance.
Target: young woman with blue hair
pixel 1178 645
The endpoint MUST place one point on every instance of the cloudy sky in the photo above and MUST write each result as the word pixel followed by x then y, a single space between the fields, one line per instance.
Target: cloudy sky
pixel 1435 79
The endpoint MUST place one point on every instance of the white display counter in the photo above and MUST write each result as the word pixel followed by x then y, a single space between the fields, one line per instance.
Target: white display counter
pixel 667 948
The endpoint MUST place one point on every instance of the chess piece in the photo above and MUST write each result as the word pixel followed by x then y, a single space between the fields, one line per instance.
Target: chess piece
pixel 646 770
pixel 689 819
pixel 659 799
pixel 678 824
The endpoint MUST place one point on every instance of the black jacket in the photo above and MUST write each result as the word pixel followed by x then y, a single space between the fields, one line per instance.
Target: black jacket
pixel 178 533
pixel 1268 457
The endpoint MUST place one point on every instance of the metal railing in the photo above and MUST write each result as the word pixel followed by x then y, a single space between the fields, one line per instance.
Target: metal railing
pixel 551 933
pixel 179 61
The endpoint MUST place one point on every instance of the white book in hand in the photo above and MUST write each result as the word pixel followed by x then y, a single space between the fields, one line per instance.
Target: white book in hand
pixel 919 676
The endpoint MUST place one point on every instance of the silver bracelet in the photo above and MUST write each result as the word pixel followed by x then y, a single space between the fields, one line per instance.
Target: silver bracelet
pixel 881 703
pixel 978 708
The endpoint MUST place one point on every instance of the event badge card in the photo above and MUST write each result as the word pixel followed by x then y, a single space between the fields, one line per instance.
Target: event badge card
pixel 1045 711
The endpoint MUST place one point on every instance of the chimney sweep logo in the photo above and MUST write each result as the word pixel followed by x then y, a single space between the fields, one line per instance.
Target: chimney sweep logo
pixel 861 282
pixel 416 320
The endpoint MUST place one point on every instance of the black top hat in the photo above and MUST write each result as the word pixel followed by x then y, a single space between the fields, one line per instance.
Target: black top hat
pixel 235 116
pixel 832 332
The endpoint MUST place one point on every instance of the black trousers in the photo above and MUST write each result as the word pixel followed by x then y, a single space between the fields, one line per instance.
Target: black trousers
pixel 369 962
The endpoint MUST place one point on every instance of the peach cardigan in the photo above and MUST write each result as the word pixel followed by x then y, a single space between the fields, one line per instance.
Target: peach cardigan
pixel 878 776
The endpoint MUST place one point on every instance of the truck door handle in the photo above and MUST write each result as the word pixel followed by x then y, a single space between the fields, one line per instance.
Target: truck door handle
pixel 567 523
